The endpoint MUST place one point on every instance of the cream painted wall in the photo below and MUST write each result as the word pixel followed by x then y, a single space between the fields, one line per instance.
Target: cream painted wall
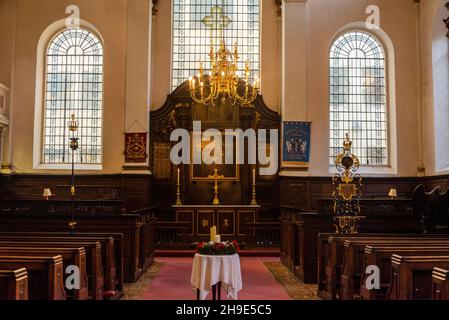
pixel 125 81
pixel 431 12
pixel 398 20
pixel 33 17
pixel 7 28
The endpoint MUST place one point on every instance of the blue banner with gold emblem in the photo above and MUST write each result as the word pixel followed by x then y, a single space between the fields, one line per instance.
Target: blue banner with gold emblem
pixel 296 143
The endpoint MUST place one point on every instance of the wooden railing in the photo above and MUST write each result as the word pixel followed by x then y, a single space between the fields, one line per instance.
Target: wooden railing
pixel 264 233
pixel 171 233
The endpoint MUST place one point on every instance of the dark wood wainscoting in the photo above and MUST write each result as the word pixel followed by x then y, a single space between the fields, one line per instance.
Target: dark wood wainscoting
pixel 304 192
pixel 134 190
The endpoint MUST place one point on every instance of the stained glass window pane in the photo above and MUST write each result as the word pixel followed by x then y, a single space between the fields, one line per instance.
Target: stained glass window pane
pixel 358 103
pixel 192 37
pixel 74 84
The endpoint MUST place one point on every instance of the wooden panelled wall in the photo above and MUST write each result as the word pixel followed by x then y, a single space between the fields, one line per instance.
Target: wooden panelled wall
pixel 302 192
pixel 133 189
pixel 140 191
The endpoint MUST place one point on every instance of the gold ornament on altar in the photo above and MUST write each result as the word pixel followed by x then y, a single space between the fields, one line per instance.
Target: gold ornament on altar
pixel 222 81
pixel 216 201
pixel 348 191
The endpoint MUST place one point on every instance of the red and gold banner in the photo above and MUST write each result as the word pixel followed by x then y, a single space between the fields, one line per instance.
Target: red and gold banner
pixel 136 147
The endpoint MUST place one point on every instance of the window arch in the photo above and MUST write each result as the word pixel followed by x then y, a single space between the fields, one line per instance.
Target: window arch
pixel 195 23
pixel 358 97
pixel 73 85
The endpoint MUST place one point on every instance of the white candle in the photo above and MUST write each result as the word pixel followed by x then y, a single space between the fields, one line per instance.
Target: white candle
pixel 178 175
pixel 217 238
pixel 213 233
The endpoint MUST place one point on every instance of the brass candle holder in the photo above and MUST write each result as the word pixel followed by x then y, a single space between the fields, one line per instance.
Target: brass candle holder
pixel 254 201
pixel 178 189
pixel 178 195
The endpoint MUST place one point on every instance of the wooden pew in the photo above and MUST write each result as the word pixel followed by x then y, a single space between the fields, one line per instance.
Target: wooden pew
pixel 70 256
pixel 411 276
pixel 136 229
pixel 14 284
pixel 107 244
pixel 323 255
pixel 335 256
pixel 380 256
pixel 440 284
pixel 118 249
pixel 94 266
pixel 45 275
pixel 354 255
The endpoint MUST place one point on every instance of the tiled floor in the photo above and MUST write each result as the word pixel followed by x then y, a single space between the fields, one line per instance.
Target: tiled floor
pixel 172 281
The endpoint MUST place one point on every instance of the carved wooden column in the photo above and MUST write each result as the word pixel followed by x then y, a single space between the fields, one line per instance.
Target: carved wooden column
pixel 247 121
pixel 183 116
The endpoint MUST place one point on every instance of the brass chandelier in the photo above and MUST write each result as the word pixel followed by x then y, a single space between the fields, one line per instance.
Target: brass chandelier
pixel 223 82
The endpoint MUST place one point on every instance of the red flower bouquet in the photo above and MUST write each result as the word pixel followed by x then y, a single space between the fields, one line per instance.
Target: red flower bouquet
pixel 218 248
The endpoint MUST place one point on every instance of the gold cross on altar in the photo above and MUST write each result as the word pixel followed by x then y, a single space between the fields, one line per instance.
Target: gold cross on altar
pixel 217 21
pixel 216 177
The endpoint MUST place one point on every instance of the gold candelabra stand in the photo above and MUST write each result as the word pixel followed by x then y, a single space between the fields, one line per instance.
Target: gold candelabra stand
pixel 73 127
pixel 348 191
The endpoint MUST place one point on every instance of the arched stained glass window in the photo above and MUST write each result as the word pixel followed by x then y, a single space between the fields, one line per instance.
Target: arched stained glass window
pixel 358 102
pixel 74 84
pixel 198 22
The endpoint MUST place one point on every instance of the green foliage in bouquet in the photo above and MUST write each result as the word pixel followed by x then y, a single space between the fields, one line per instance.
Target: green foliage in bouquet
pixel 218 248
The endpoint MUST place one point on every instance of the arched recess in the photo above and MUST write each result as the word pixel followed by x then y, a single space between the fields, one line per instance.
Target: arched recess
pixel 440 66
pixel 46 37
pixel 390 77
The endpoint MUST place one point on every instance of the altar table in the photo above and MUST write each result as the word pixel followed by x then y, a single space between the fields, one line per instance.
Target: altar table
pixel 212 271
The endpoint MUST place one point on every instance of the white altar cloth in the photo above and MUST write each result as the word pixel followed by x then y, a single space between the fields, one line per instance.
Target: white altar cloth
pixel 210 270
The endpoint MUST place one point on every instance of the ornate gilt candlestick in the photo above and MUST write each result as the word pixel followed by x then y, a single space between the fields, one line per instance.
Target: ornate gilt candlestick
pixel 254 201
pixel 348 191
pixel 73 127
pixel 178 190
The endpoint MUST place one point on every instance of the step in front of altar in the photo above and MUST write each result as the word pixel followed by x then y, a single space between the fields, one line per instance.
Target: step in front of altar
pixel 259 252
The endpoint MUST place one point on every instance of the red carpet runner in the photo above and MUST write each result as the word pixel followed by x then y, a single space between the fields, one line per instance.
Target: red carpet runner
pixel 173 281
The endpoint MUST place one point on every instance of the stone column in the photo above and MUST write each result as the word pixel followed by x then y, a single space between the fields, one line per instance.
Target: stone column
pixel 294 60
pixel 294 68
